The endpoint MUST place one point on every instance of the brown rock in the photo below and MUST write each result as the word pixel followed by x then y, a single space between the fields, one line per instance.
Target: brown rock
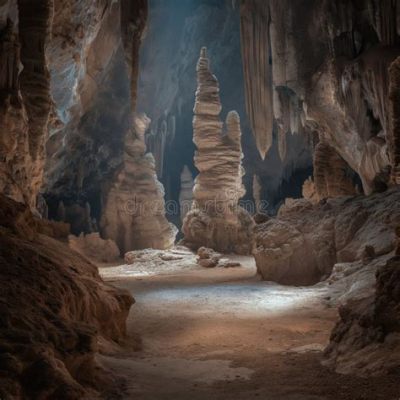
pixel 94 247
pixel 50 333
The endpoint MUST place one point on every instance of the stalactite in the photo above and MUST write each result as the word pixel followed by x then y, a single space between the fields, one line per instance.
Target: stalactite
pixel 394 118
pixel 257 193
pixel 9 59
pixel 257 69
pixel 35 21
pixel 282 144
pixel 133 23
pixel 384 17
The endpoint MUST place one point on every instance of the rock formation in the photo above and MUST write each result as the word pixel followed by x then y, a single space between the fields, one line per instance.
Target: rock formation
pixel 257 193
pixel 304 242
pixel 54 310
pixel 332 176
pixel 216 220
pixel 336 86
pixel 255 16
pixel 134 209
pixel 394 132
pixel 93 247
pixel 186 193
pixel 366 339
pixel 25 97
pixel 166 88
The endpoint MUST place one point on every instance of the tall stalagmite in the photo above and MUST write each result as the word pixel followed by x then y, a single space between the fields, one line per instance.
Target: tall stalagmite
pixel 134 213
pixel 134 209
pixel 216 220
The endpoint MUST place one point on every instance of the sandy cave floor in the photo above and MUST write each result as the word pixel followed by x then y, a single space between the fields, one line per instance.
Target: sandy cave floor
pixel 221 333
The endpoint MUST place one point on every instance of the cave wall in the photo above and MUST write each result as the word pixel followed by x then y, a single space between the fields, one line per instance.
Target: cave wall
pixel 25 96
pixel 90 88
pixel 62 93
pixel 335 86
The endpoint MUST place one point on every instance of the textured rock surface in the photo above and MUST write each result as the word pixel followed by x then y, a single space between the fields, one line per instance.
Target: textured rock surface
pixel 90 89
pixel 337 85
pixel 25 97
pixel 366 340
pixel 332 176
pixel 134 209
pixel 94 247
pixel 258 75
pixel 54 309
pixel 303 243
pixel 216 220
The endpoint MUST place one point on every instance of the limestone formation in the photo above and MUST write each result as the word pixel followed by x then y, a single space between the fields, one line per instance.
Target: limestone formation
pixel 25 99
pixel 366 339
pixel 257 193
pixel 216 220
pixel 134 209
pixel 55 310
pixel 303 243
pixel 331 173
pixel 309 191
pixel 394 132
pixel 186 193
pixel 93 247
pixel 335 86
pixel 257 75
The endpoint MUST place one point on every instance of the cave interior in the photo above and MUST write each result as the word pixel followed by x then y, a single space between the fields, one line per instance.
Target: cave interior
pixel 199 199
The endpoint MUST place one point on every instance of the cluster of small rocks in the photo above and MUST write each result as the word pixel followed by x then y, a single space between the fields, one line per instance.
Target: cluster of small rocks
pixel 208 258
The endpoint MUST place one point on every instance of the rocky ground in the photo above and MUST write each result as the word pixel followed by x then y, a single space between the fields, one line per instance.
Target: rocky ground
pixel 222 333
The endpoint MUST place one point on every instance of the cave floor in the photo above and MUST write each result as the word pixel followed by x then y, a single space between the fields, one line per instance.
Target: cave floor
pixel 223 334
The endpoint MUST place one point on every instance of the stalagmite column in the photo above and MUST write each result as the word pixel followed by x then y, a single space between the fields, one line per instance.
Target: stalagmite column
pixel 134 213
pixel 216 220
pixel 186 194
pixel 134 208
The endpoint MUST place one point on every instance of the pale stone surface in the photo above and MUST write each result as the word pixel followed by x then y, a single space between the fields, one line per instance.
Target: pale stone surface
pixel 134 211
pixel 216 220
